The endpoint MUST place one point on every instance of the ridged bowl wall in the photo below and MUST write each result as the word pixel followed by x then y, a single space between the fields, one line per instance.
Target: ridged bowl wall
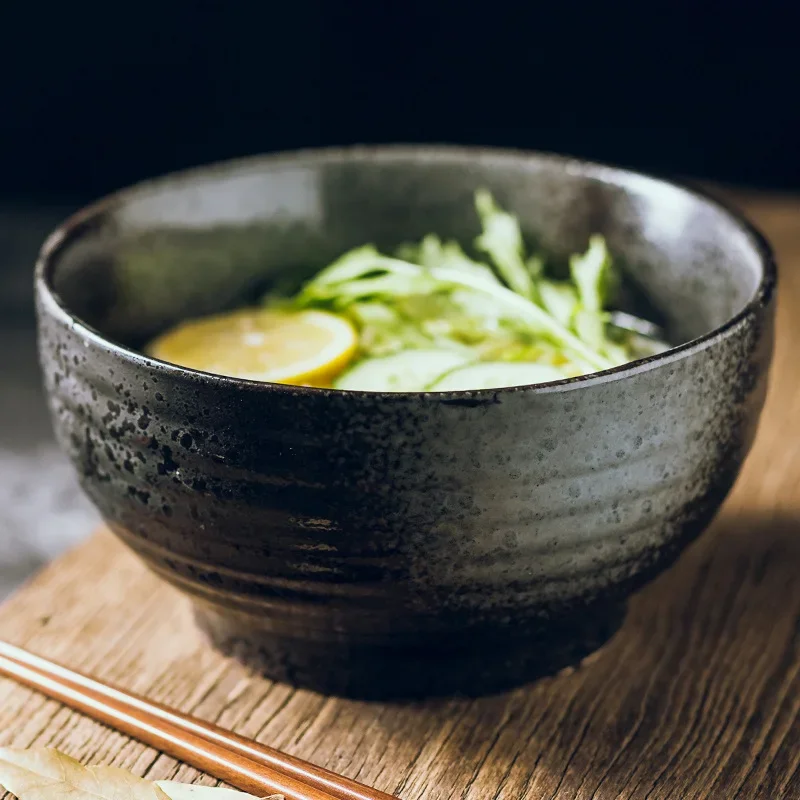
pixel 401 544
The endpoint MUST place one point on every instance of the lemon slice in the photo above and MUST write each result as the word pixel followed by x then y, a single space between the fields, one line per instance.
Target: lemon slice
pixel 308 348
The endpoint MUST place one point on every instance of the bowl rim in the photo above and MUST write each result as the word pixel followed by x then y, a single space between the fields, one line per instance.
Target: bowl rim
pixel 74 225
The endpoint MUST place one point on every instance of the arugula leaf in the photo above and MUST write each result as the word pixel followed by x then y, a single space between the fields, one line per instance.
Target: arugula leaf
pixel 502 241
pixel 535 265
pixel 383 330
pixel 590 273
pixel 365 273
pixel 432 294
pixel 355 264
pixel 433 252
pixel 560 299
pixel 525 312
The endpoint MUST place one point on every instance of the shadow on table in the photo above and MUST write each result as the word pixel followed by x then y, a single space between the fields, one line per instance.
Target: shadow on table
pixel 695 696
pixel 753 557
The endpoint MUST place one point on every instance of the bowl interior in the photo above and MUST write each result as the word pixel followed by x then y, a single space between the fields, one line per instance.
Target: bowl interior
pixel 214 238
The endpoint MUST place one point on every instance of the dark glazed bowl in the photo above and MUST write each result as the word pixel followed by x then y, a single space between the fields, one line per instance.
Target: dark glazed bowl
pixel 391 545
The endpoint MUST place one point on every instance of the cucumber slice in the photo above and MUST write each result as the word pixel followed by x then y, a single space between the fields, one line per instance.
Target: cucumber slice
pixel 406 371
pixel 494 375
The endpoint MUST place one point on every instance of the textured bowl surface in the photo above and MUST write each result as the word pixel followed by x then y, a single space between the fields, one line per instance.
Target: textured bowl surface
pixel 397 545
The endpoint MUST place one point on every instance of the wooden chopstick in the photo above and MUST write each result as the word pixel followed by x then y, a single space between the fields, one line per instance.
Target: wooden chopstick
pixel 244 763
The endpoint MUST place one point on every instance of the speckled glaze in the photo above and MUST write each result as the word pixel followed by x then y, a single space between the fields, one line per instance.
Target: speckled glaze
pixel 401 545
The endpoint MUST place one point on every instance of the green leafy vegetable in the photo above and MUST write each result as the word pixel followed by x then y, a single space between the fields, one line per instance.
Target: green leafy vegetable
pixel 560 299
pixel 502 241
pixel 433 305
pixel 590 275
pixel 432 252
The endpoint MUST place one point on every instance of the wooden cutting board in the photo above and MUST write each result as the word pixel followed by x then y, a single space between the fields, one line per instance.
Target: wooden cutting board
pixel 698 696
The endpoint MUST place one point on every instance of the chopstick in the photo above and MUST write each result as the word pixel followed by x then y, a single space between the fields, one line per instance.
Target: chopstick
pixel 241 762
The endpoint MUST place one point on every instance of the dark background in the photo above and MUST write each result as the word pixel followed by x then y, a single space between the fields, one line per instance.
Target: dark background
pixel 93 97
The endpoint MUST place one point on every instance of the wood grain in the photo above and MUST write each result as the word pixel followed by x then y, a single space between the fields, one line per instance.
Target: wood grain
pixel 698 696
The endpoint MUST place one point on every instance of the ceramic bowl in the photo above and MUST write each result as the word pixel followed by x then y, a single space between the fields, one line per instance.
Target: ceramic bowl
pixel 396 545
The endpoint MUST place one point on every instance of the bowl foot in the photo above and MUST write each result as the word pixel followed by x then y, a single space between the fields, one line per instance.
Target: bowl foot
pixel 479 662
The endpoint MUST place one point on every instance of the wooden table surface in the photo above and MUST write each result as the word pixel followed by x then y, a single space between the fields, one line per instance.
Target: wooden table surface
pixel 698 696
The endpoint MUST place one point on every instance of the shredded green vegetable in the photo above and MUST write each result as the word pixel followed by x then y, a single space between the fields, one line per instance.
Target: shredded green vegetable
pixel 499 306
